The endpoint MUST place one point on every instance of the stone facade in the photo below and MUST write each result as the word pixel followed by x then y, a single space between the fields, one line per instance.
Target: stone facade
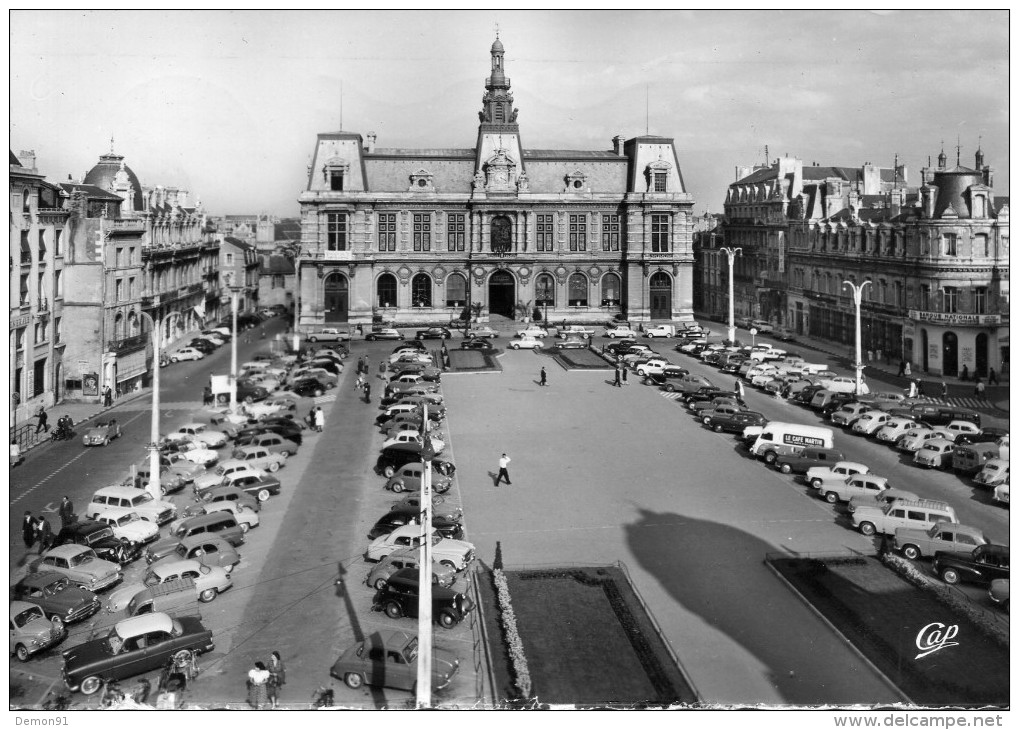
pixel 239 264
pixel 416 235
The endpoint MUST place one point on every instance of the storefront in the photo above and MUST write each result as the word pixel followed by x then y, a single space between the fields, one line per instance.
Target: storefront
pixel 959 345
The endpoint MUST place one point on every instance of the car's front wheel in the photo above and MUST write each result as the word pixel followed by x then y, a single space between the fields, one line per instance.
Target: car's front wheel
pixel 173 359
pixel 867 528
pixel 770 457
pixel 717 428
pixel 380 584
pixel 950 576
pixel 388 471
pixel 831 498
pixel 208 595
pixel 397 487
pixel 263 495
pixel 245 527
pixel 816 483
pixel 911 551
pixel 515 346
pixel 317 392
pixel 650 335
pixel 353 680
pixel 21 651
pixel 786 468
pixel 447 620
pixel 91 685
pixel 274 466
pixel 393 609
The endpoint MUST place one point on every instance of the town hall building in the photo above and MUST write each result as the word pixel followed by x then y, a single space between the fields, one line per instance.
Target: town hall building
pixel 417 235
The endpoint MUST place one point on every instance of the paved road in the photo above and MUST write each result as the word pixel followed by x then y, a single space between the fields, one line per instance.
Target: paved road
pixel 602 474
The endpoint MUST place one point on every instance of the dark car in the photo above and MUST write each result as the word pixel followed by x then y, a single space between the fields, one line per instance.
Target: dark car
pixel 619 347
pixel 100 538
pixel 308 387
pixel 389 659
pixel 807 394
pixel 249 390
pixel 134 646
pixel 810 456
pixel 391 520
pixel 330 366
pixel 734 422
pixel 731 365
pixel 383 333
pixel 292 432
pixel 260 487
pixel 428 373
pixel 836 401
pixel 986 435
pixel 477 343
pixel 706 393
pixel 399 598
pixel 713 358
pixel 669 372
pixel 411 345
pixel 984 564
pixel 57 596
pixel 433 333
pixel 284 420
pixel 935 415
pixel 395 456
pixel 203 346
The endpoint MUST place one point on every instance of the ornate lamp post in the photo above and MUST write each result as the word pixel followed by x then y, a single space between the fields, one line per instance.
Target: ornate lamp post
pixel 731 253
pixel 424 669
pixel 234 291
pixel 857 298
pixel 157 326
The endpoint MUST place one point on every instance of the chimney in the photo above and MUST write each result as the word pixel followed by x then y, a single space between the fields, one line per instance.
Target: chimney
pixel 617 144
pixel 27 159
pixel 370 147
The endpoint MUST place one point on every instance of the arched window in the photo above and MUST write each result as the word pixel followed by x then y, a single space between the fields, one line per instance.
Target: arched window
pixel 544 290
pixel 385 289
pixel 118 327
pixel 577 290
pixel 421 291
pixel 610 290
pixel 132 325
pixel 502 234
pixel 456 291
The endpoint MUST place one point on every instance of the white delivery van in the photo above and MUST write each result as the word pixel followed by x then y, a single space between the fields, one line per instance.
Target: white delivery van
pixel 661 330
pixel 816 368
pixel 785 439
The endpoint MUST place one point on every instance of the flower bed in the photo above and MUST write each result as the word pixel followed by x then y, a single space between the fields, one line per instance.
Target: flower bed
pixel 883 615
pixel 584 359
pixel 473 361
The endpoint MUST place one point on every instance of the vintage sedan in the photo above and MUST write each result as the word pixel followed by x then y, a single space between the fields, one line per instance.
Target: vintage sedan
pixel 256 486
pixel 179 443
pixel 99 537
pixel 30 631
pixel 433 333
pixel 225 493
pixel 869 423
pixel 389 659
pixel 411 505
pixel 620 331
pixel 259 457
pixel 385 333
pixel 62 601
pixel 206 549
pixel 935 454
pixel 134 646
pixel 329 334
pixel 209 580
pixel 733 422
pixel 413 437
pixel 392 520
pixel 895 428
pixel 428 372
pixel 220 475
pixel 127 525
pixel 80 565
pixel 393 457
pixel 999 593
pixel 247 517
pixel 943 536
pixel 102 433
pixel 187 353
pixel 408 479
pixel 810 457
pixel 818 476
pixel 379 574
pixel 983 564
pixel 484 331
pixel 204 435
pixel 309 388
pixel 457 554
pixel 477 343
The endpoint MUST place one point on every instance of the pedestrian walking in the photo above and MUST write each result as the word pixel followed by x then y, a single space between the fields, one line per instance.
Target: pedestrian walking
pixel 944 389
pixel 503 470
pixel 43 418
pixel 992 377
pixel 66 512
pixel 15 453
pixel 277 678
pixel 618 382
pixel 902 368
pixel 258 678
pixel 382 370
pixel 912 390
pixel 367 392
pixel 206 396
pixel 877 354
pixel 544 378
pixel 919 388
pixel 625 373
pixel 320 419
pixel 359 383
pixel 738 388
pixel 44 533
pixel 107 397
pixel 907 371
pixel 980 389
pixel 28 530
pixel 965 373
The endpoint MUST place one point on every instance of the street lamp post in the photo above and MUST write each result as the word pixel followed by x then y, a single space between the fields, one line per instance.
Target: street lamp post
pixel 157 326
pixel 731 253
pixel 857 298
pixel 234 290
pixel 424 669
pixel 297 303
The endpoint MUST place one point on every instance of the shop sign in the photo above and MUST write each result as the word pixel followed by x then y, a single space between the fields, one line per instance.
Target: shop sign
pixel 955 318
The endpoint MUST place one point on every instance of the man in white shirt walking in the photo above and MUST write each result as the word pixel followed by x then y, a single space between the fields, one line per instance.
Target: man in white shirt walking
pixel 503 472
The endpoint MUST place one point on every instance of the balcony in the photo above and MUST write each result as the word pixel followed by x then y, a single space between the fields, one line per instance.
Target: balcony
pixel 324 255
pixel 127 225
pixel 127 344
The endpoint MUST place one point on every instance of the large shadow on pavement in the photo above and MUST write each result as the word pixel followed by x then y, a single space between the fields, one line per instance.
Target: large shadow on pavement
pixel 717 572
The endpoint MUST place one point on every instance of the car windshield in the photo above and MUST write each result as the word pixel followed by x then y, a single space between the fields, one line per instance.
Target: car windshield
pixel 141 499
pixel 151 579
pixel 82 558
pixel 221 471
pixel 411 652
pixel 28 616
pixel 56 587
pixel 100 535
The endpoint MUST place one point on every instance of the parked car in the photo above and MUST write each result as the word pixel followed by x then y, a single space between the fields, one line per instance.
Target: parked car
pixel 102 433
pixel 654 366
pixel 668 373
pixel 274 443
pixel 410 504
pixel 138 500
pixel 209 581
pixel 395 456
pixel 133 646
pixel 919 514
pixel 998 593
pixel 389 659
pixel 848 414
pixel 329 334
pixel 857 485
pixel 525 342
pixel 983 564
pixel 706 395
pixel 248 390
pixel 392 520
pixel 187 353
pixel 261 487
pixel 380 572
pixel 259 457
pixel 808 458
pixel 54 593
pixel 454 553
pixel 914 438
pixel 80 565
pixel 935 453
pixel 1001 494
pixel 385 333
pixel 733 422
pixel 993 473
pixel 433 333
pixel 880 499
pixel 944 536
pixel 574 342
pixel 399 598
pixel 532 332
pixel 204 435
pixel 482 331
pixel 204 346
pixel 476 343
pixel 818 476
pixel 31 632
pixel 781 333
pixel 127 526
pixel 619 331
pixel 895 428
pixel 408 479
pixel 869 423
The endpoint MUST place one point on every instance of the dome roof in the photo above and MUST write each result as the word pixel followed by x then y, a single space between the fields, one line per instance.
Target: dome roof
pixel 497 46
pixel 103 174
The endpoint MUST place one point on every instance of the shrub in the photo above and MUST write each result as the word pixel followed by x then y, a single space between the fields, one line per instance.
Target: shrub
pixel 513 640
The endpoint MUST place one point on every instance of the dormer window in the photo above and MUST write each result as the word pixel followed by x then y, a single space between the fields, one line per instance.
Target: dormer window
pixel 421 181
pixel 657 174
pixel 661 182
pixel 334 173
pixel 576 182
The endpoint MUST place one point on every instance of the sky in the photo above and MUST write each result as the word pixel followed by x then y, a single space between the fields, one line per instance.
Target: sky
pixel 227 104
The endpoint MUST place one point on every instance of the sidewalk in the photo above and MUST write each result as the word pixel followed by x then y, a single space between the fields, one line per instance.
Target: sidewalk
pixel 960 392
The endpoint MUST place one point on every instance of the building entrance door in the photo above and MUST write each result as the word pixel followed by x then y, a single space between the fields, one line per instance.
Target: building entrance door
pixel 502 294
pixel 661 296
pixel 336 298
pixel 981 354
pixel 950 354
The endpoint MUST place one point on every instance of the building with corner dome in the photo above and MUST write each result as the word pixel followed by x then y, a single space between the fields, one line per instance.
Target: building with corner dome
pixel 415 235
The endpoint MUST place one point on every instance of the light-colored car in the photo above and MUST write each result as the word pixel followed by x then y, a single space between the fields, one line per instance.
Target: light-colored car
pixel 209 580
pixel 818 476
pixel 259 457
pixel 574 329
pixel 275 443
pixel 935 454
pixel 482 331
pixel 914 438
pixel 228 467
pixel 842 384
pixel 405 356
pixel 408 479
pixel 620 332
pixel 329 334
pixel 1001 495
pixel 457 554
pixel 325 377
pixel 30 630
pixel 186 353
pixel 895 429
pixel 763 327
pixel 847 414
pixel 653 366
pixel 659 331
pixel 192 451
pixel 944 536
pixel 407 437
pixel 80 564
pixel 868 423
pixel 533 332
pixel 957 428
pixel 206 549
pixel 136 500
pixel 204 435
pixel 102 433
pixel 993 473
pixel 525 342
pixel 864 486
pixel 127 525
pixel 442 575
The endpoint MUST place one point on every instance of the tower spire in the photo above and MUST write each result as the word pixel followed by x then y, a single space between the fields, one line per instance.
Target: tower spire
pixel 111 145
pixel 497 104
pixel 958 150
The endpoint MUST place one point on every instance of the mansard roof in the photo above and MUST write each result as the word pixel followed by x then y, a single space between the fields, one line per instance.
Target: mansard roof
pixel 93 192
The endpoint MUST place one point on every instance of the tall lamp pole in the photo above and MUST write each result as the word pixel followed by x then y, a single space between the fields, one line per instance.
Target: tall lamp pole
pixel 731 253
pixel 157 326
pixel 424 669
pixel 297 302
pixel 857 298
pixel 234 291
